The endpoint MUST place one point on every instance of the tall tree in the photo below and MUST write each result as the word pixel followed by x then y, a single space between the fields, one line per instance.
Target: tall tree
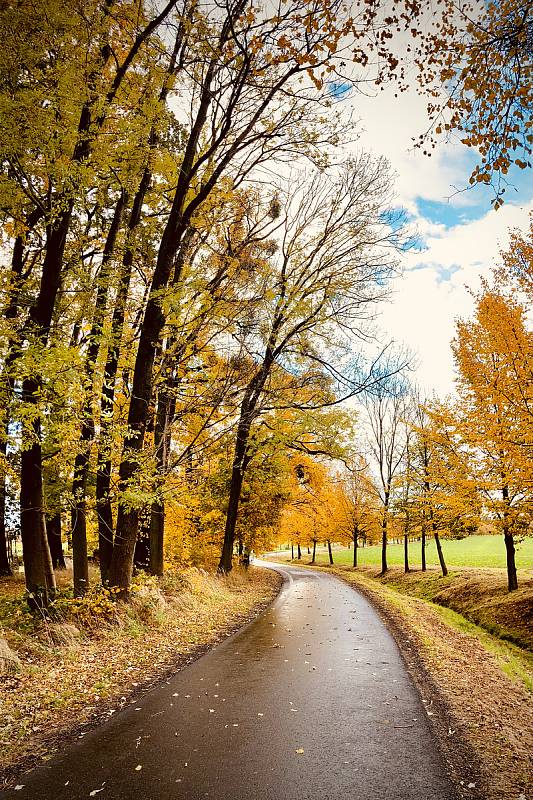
pixel 82 63
pixel 326 279
pixel 494 358
pixel 359 506
pixel 251 100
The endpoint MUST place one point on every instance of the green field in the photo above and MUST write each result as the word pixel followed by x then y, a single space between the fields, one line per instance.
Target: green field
pixel 474 551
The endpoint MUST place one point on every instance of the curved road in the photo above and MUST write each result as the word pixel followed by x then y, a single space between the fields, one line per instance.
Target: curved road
pixel 311 701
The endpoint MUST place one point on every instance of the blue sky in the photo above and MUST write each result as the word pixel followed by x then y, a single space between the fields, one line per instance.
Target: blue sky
pixel 475 202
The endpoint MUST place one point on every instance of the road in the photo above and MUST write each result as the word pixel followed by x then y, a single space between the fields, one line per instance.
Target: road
pixel 311 701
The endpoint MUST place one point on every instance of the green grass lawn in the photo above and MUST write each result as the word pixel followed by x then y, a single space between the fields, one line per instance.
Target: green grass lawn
pixel 474 551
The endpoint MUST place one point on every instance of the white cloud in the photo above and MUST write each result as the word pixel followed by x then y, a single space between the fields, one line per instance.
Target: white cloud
pixel 434 290
pixel 388 126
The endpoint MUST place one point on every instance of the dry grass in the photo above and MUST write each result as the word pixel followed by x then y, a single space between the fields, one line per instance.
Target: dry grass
pixel 480 595
pixel 93 659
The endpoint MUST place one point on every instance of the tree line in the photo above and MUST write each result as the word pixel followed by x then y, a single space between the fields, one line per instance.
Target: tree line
pixel 188 263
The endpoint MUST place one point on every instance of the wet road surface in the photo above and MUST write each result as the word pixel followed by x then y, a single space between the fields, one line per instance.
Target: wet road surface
pixel 311 701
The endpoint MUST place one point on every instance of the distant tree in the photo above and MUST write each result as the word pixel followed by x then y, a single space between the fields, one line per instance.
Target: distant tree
pixel 358 505
pixel 386 407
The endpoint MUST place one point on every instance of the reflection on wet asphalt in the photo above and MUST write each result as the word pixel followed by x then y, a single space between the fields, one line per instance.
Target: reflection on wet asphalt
pixel 311 701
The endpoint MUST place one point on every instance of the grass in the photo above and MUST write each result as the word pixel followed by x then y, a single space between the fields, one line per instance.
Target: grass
pixel 473 551
pixel 511 659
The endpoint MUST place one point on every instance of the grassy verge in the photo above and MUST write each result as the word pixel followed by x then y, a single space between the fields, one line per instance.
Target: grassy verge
pixel 474 686
pixel 480 596
pixel 472 551
pixel 95 656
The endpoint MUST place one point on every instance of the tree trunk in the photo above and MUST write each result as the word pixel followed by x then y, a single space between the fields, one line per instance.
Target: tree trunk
pixel 240 462
pixel 104 466
pixel 5 566
pixel 512 580
pixel 406 553
pixel 355 545
pixel 141 556
pixel 442 562
pixel 423 546
pixel 330 553
pixel 299 551
pixel 384 521
pixel 53 532
pixel 292 552
pixel 157 521
pixel 11 312
pixel 105 515
pixel 35 552
pixel 237 476
pixel 314 552
pixel 81 464
pixel 78 527
pixel 31 479
pixel 166 409
pixel 47 559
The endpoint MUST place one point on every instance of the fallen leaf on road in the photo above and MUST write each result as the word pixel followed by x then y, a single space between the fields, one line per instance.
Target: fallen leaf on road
pixel 138 767
pixel 300 751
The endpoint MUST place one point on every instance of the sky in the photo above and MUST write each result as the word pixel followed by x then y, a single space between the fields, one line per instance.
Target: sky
pixel 460 235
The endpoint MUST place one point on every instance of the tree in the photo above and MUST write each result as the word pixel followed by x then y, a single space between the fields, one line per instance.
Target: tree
pixel 475 60
pixel 403 506
pixel 313 510
pixel 44 178
pixel 386 407
pixel 326 279
pixel 125 130
pixel 494 358
pixel 243 100
pixel 516 269
pixel 359 497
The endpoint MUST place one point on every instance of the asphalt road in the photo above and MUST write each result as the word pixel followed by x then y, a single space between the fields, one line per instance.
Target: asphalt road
pixel 311 701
